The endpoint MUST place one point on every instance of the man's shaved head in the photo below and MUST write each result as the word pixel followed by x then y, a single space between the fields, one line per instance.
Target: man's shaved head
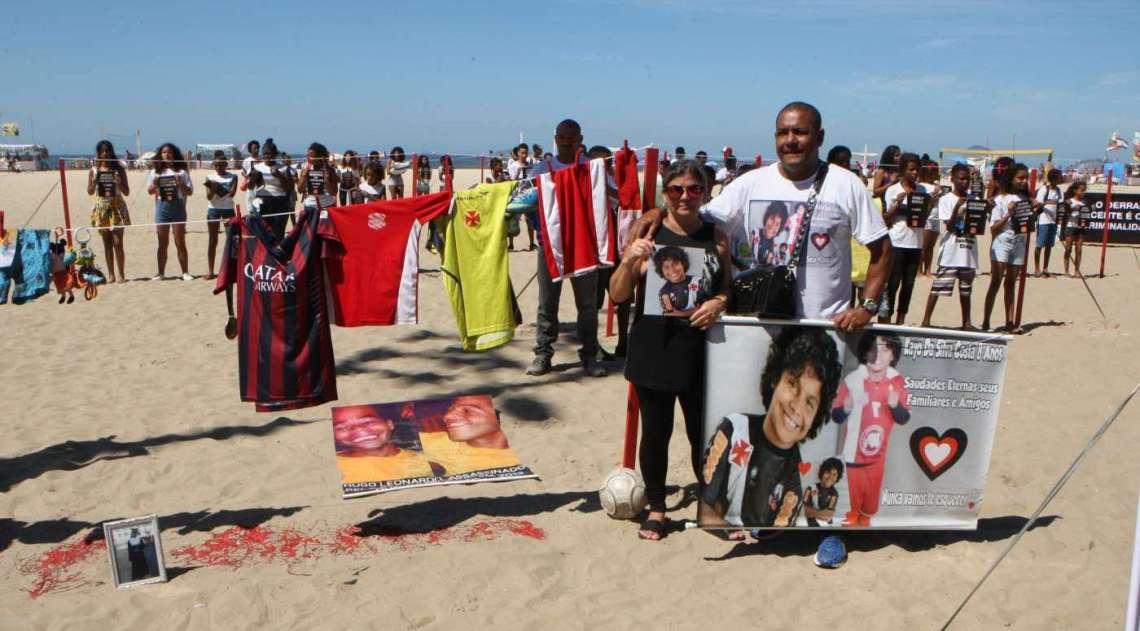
pixel 803 107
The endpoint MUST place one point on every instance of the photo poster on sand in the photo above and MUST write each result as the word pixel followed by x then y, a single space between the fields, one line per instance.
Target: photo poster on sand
pixel 383 447
pixel 903 424
pixel 677 281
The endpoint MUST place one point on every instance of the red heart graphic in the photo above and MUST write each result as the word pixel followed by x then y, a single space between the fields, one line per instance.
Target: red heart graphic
pixel 936 453
pixel 970 505
pixel 805 467
pixel 928 442
pixel 820 240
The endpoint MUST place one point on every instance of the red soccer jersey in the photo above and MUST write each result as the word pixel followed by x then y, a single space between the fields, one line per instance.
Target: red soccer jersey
pixel 373 261
pixel 876 420
pixel 574 218
pixel 285 354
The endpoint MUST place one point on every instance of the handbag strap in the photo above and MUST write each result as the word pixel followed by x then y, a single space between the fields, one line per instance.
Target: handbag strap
pixel 800 247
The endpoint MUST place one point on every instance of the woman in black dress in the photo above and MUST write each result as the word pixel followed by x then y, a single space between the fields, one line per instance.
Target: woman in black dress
pixel 665 360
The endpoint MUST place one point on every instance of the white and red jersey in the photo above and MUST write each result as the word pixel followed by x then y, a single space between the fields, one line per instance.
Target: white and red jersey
pixel 372 258
pixel 868 427
pixel 573 210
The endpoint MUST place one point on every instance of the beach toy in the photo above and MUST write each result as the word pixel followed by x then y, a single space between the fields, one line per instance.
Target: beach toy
pixel 89 276
pixel 623 493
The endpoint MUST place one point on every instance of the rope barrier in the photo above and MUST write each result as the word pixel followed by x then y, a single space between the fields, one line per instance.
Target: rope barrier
pixel 40 205
pixel 1044 503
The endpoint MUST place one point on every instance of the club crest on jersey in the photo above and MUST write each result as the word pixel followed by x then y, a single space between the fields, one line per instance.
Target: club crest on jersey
pixel 269 279
pixel 871 441
pixel 376 221
pixel 472 219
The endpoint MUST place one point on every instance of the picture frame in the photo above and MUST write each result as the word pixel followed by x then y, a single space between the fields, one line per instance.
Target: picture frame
pixel 134 551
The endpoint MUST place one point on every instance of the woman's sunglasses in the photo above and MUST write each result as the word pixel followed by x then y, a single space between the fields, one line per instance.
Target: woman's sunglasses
pixel 694 190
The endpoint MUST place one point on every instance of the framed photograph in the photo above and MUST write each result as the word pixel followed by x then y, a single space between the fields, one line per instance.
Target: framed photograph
pixel 675 283
pixel 134 548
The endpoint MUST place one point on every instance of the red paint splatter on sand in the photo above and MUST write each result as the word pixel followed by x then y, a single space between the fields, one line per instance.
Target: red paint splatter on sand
pixel 59 568
pixel 55 570
pixel 238 546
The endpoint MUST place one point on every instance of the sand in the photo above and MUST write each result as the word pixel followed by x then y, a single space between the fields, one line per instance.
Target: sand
pixel 127 405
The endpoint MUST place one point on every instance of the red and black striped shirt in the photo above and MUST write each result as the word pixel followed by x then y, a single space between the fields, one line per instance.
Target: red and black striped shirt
pixel 285 354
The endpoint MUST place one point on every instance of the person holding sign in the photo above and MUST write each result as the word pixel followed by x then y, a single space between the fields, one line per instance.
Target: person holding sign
pixel 1049 196
pixel 318 180
pixel 665 355
pixel 1009 222
pixel 169 182
pixel 1075 225
pixel 349 174
pixel 908 204
pixel 272 182
pixel 958 256
pixel 221 186
pixel 107 181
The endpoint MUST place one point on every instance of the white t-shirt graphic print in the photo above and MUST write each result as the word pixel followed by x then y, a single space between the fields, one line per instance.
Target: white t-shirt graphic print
pixel 844 209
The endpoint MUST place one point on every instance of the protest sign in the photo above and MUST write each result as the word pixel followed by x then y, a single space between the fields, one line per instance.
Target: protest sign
pixel 384 447
pixel 1123 218
pixel 804 426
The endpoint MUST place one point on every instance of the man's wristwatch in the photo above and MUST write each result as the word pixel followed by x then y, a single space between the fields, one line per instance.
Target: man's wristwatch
pixel 870 304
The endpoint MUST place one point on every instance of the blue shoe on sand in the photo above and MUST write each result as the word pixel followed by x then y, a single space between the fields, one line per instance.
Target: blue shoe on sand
pixel 831 553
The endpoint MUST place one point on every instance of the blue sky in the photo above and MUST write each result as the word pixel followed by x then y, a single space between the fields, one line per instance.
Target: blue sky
pixel 465 77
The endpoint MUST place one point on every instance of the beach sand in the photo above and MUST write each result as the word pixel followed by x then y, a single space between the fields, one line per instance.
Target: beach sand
pixel 127 405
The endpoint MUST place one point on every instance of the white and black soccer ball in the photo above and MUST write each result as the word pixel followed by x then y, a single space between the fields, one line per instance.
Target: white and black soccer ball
pixel 623 494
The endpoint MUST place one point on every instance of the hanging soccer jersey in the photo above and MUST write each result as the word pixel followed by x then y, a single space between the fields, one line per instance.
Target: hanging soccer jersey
pixel 475 271
pixel 285 354
pixel 629 194
pixel 373 261
pixel 575 223
pixel 31 269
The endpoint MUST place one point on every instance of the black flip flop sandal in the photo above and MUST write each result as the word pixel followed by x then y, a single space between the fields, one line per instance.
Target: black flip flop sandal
pixel 656 526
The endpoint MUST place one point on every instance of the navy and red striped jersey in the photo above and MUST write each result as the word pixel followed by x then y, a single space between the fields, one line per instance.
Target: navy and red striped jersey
pixel 285 354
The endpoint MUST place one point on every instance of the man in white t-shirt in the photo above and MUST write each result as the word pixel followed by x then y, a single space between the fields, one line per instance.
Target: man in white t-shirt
pixel 844 209
pixel 567 140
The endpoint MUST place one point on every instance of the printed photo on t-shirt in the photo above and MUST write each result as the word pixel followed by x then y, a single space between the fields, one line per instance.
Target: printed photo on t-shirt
pixel 678 280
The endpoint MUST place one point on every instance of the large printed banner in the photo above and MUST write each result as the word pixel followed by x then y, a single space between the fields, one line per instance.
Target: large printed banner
pixel 890 427
pixel 389 446
pixel 1123 218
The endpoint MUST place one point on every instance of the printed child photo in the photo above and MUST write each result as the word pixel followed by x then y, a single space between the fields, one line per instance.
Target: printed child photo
pixel 752 465
pixel 135 551
pixel 872 399
pixel 677 281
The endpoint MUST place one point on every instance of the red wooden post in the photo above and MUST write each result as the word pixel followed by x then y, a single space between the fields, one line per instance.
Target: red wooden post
pixel 1107 207
pixel 1025 259
pixel 1 223
pixel 447 172
pixel 66 206
pixel 649 193
pixel 629 453
pixel 415 175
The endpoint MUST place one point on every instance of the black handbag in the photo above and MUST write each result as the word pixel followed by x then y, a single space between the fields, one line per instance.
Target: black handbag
pixel 769 291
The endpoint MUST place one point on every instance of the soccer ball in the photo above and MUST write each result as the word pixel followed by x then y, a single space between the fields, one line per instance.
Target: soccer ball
pixel 623 493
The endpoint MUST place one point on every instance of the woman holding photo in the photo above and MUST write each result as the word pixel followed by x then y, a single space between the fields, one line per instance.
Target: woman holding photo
pixel 665 358
pixel 1007 251
pixel 107 181
pixel 906 238
pixel 221 186
pixel 169 182
pixel 318 180
pixel 253 148
pixel 1075 226
pixel 397 164
pixel 271 182
pixel 349 174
